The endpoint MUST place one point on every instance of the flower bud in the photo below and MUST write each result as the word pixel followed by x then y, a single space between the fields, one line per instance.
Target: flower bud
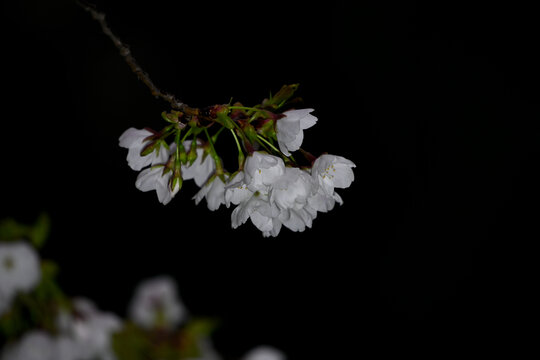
pixel 192 155
pixel 176 179
pixel 221 115
pixel 250 132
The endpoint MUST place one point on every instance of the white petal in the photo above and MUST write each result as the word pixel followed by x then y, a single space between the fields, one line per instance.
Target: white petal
pixel 307 121
pixel 216 194
pixel 200 170
pixel 263 223
pixel 147 179
pixel 297 114
pixel 238 217
pixel 135 160
pixel 286 129
pixel 294 222
pixel 132 137
pixel 201 193
pixel 163 191
pixel 343 176
pixel 295 144
pixel 283 148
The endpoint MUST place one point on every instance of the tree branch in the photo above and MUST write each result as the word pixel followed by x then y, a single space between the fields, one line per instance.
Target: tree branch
pixel 130 60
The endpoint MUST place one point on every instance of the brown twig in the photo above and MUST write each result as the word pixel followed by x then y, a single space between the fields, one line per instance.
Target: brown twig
pixel 130 60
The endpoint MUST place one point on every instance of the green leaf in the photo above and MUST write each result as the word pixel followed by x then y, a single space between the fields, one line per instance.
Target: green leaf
pixel 11 230
pixel 131 343
pixel 193 333
pixel 40 231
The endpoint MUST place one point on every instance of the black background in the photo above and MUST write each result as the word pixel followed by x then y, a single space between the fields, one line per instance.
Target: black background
pixel 436 105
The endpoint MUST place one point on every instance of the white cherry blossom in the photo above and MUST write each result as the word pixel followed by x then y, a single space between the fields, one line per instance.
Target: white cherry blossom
pixel 34 345
pixel 135 141
pixel 156 304
pixel 290 129
pixel 202 167
pixel 291 193
pixel 261 170
pixel 333 172
pixel 263 214
pixel 323 201
pixel 87 334
pixel 153 178
pixel 19 270
pixel 236 190
pixel 214 193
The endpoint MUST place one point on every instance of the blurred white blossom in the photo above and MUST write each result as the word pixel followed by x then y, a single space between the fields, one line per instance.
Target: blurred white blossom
pixel 86 332
pixel 264 352
pixel 19 270
pixel 34 345
pixel 156 304
pixel 273 195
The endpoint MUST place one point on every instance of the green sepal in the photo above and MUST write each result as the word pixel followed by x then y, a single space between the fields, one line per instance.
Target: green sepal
pixel 267 129
pixel 148 149
pixel 250 132
pixel 225 120
pixel 172 117
pixel 281 97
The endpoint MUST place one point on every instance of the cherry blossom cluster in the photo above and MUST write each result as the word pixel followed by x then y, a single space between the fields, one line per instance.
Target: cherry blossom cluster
pixel 269 187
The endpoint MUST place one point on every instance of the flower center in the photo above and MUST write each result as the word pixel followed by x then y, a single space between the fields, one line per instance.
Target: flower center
pixel 8 263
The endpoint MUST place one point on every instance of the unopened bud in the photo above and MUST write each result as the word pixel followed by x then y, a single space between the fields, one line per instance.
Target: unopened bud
pixel 176 180
pixel 250 132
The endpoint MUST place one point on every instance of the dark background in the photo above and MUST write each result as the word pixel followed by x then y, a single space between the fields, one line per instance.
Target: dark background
pixel 436 105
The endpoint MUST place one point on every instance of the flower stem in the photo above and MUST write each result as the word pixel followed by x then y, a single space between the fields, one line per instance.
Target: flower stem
pixel 268 143
pixel 213 153
pixel 240 152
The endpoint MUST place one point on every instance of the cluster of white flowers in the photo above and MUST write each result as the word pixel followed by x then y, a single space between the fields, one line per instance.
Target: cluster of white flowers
pixel 265 190
pixel 19 271
pixel 83 334
pixel 82 331
pixel 271 194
